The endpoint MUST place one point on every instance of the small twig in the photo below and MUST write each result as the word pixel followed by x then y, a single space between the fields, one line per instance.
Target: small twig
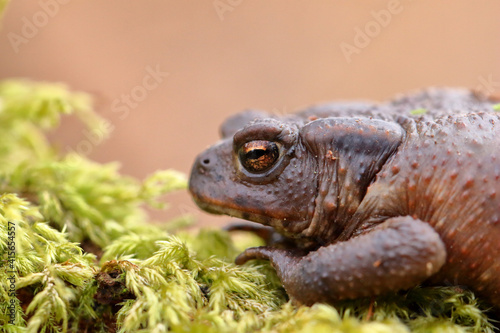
pixel 369 315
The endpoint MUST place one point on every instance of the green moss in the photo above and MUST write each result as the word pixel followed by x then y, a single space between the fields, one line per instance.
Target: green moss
pixel 418 112
pixel 148 278
pixel 3 4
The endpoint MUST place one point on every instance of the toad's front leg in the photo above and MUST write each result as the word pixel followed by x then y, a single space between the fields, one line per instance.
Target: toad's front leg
pixel 399 254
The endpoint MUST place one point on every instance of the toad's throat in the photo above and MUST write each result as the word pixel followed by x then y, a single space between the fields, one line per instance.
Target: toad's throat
pixel 286 226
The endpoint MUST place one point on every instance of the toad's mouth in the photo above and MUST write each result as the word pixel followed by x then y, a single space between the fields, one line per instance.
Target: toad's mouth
pixel 283 225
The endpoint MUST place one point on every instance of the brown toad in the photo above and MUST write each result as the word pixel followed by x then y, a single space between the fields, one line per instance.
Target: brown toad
pixel 369 198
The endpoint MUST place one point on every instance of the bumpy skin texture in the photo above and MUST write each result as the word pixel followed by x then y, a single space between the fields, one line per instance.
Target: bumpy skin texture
pixel 366 197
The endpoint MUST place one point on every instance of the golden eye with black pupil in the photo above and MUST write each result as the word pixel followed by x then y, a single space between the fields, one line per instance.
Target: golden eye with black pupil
pixel 258 156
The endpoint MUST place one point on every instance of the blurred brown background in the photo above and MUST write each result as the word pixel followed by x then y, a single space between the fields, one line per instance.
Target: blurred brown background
pixel 222 56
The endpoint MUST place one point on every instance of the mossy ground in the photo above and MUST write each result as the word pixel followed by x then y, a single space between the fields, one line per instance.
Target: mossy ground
pixel 76 244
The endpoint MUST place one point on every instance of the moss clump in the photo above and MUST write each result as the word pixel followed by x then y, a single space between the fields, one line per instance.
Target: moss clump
pixel 3 4
pixel 60 213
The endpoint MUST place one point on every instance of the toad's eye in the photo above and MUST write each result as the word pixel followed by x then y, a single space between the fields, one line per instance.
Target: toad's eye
pixel 258 156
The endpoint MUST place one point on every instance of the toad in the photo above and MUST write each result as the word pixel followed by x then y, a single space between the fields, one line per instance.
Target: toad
pixel 360 199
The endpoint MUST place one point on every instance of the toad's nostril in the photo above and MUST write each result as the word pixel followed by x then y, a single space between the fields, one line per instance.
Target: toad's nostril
pixel 205 161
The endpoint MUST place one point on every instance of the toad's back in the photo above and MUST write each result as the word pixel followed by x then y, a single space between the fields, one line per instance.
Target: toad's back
pixel 447 172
